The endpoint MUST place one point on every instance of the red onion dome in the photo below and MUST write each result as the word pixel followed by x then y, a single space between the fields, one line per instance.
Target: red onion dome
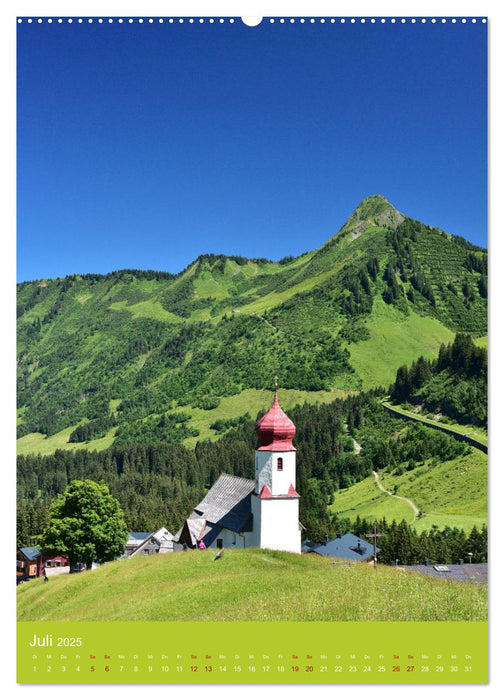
pixel 275 430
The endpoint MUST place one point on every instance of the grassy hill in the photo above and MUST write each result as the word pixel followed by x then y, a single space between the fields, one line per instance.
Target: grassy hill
pixel 247 585
pixel 144 356
pixel 392 336
pixel 451 493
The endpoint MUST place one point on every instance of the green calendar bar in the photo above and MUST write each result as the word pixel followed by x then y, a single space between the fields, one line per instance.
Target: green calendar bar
pixel 252 652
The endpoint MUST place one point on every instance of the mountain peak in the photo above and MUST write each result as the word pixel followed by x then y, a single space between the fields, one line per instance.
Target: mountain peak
pixel 372 211
pixel 376 209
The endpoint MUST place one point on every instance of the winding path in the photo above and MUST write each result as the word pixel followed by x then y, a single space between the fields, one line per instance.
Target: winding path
pixel 357 447
pixel 266 321
pixel 415 510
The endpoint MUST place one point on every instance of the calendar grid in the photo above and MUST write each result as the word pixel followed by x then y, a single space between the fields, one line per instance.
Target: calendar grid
pixel 252 653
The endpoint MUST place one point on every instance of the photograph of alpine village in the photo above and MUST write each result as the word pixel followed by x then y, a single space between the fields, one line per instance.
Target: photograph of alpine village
pixel 251 321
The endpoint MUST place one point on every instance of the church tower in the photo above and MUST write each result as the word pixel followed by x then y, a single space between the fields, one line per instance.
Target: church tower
pixel 275 502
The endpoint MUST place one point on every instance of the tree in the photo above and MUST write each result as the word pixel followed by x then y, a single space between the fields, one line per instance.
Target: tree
pixel 86 523
pixel 420 372
pixel 402 386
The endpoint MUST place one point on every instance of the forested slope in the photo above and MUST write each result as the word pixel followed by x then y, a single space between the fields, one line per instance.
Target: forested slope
pixel 135 355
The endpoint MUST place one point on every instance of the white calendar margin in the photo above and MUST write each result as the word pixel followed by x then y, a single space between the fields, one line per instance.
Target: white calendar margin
pixel 156 8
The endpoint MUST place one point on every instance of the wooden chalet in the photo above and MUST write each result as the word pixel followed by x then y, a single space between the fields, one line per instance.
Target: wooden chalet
pixel 31 563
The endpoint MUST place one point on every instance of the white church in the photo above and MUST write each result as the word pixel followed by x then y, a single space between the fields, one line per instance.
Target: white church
pixel 264 512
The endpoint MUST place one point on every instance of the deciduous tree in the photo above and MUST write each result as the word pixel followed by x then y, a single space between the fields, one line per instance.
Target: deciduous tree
pixel 86 523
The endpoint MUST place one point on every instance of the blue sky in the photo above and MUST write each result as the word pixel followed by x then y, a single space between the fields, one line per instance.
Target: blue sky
pixel 145 145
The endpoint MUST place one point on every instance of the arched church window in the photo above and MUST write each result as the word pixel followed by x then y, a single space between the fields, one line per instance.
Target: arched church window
pixel 280 464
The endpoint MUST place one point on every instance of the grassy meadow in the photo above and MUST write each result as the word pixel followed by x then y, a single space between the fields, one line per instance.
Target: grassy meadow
pixel 244 586
pixel 365 500
pixel 394 340
pixel 38 443
pixel 451 493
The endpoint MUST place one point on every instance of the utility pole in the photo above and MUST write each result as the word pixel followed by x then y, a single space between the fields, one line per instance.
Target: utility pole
pixel 375 535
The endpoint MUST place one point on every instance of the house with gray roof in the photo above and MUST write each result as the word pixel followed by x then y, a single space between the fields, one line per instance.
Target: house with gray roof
pixel 134 540
pixel 347 547
pixel 159 542
pixel 465 573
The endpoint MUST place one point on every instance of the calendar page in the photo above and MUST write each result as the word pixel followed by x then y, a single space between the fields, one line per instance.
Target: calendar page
pixel 252 349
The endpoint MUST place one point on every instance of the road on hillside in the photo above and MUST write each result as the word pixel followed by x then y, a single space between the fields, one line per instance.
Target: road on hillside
pixel 463 437
pixel 415 510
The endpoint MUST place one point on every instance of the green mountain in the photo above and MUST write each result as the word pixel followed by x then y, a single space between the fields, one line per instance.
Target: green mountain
pixel 143 356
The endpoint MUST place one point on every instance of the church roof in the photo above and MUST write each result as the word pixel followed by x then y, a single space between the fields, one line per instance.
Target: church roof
pixel 226 505
pixel 275 430
pixel 196 527
pixel 266 493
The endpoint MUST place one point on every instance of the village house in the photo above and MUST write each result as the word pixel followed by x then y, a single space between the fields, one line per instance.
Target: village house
pixel 159 542
pixel 462 572
pixel 347 547
pixel 31 563
pixel 134 540
pixel 261 512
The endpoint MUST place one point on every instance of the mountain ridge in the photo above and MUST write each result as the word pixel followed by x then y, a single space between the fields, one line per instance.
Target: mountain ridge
pixel 373 209
pixel 147 348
